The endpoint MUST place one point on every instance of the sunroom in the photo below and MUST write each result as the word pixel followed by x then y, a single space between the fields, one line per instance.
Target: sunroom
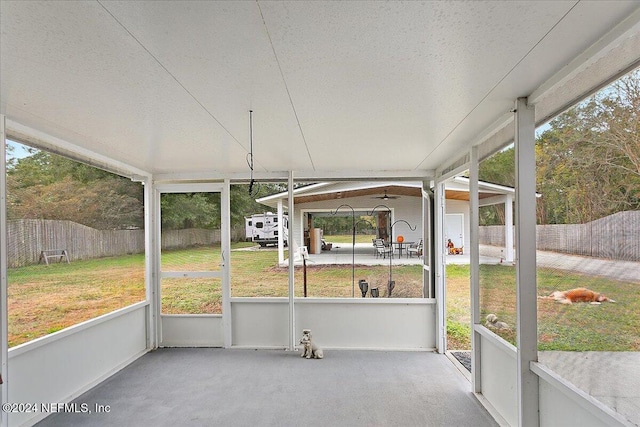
pixel 199 97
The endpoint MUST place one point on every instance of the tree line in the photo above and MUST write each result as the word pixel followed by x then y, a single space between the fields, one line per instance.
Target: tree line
pixel 587 161
pixel 43 185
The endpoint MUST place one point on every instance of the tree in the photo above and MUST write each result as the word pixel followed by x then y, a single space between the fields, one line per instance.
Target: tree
pixel 497 169
pixel 190 210
pixel 589 159
pixel 47 186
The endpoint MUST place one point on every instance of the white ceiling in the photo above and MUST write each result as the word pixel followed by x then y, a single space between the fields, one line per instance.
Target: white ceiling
pixel 336 87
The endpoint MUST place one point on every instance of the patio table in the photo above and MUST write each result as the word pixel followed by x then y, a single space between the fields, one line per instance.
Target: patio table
pixel 401 246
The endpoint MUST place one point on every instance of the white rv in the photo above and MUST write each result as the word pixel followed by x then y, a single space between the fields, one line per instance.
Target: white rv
pixel 263 228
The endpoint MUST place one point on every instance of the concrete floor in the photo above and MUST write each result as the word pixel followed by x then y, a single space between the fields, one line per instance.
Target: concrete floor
pixel 613 378
pixel 206 387
pixel 341 253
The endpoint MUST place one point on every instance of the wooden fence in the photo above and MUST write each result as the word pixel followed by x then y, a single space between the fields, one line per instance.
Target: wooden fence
pixel 26 238
pixel 616 236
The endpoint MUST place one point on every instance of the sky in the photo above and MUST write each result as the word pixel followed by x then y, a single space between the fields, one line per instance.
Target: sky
pixel 19 150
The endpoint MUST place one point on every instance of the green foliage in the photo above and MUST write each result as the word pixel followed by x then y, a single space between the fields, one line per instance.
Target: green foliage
pixel 190 210
pixel 458 331
pixel 588 161
pixel 43 185
pixel 499 168
pixel 47 186
pixel 344 224
pixel 244 204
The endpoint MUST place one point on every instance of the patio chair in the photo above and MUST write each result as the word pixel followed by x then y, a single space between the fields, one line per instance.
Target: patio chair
pixel 381 249
pixel 415 249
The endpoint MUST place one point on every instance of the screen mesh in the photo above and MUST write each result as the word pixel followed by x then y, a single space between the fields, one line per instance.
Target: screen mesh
pixel 190 242
pixel 75 238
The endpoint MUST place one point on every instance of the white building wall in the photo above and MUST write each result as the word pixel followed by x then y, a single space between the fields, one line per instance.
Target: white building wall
pixel 498 369
pixel 59 367
pixel 561 406
pixel 404 208
pixel 344 323
pixel 461 207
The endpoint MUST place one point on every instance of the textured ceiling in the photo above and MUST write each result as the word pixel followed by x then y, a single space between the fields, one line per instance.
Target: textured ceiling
pixel 336 87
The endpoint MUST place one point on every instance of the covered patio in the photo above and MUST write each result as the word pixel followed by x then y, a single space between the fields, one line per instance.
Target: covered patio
pixel 274 388
pixel 195 97
pixel 341 254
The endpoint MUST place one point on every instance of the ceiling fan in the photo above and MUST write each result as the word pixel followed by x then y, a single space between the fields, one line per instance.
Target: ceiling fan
pixel 385 197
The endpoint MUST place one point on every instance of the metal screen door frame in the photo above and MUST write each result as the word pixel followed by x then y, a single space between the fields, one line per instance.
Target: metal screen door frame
pixel 198 330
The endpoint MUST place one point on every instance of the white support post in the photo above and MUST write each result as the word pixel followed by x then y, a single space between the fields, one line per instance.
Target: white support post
pixel 225 237
pixel 156 264
pixel 150 261
pixel 474 258
pixel 508 225
pixel 292 318
pixel 427 239
pixel 441 322
pixel 280 234
pixel 527 324
pixel 4 345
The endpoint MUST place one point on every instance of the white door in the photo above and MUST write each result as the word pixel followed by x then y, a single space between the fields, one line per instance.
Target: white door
pixel 193 262
pixel 454 229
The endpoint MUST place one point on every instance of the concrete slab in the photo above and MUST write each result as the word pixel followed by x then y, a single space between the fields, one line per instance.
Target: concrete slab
pixel 205 387
pixel 612 378
pixel 615 269
pixel 341 253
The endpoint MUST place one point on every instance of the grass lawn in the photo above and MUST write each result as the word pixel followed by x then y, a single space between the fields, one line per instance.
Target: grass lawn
pixel 575 327
pixel 255 273
pixel 45 299
pixel 348 238
pixel 458 308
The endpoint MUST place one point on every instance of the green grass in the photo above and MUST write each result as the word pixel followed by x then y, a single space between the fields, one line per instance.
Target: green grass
pixel 575 327
pixel 43 299
pixel 586 327
pixel 458 335
pixel 254 273
pixel 348 238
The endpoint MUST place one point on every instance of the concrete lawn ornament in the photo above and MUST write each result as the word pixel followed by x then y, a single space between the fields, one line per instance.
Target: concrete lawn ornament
pixel 311 350
pixel 493 322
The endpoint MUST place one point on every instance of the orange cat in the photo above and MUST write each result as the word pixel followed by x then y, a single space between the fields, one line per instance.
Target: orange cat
pixel 578 295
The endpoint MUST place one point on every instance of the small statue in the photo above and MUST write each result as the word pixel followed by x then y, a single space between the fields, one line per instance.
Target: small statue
pixel 311 350
pixel 493 322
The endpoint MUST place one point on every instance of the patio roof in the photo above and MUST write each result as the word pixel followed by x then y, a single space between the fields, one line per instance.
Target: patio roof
pixel 338 89
pixel 455 189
